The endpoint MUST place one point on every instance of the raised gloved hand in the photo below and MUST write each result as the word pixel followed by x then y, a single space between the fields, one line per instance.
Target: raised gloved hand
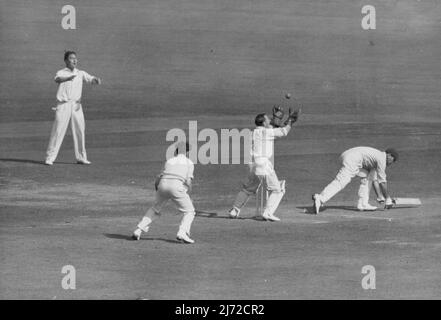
pixel 277 119
pixel 293 116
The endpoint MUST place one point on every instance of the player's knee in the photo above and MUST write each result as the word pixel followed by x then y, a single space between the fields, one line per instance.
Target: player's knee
pixel 189 213
pixel 276 190
pixel 249 191
pixel 156 211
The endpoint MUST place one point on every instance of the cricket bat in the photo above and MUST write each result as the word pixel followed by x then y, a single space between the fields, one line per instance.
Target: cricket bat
pixel 406 202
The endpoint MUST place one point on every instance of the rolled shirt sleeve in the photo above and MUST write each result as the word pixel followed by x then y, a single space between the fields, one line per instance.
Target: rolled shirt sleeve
pixel 190 169
pixel 87 77
pixel 381 170
pixel 61 73
pixel 277 132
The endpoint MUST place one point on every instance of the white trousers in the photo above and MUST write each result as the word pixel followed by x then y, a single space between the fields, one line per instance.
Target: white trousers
pixel 367 177
pixel 175 190
pixel 348 171
pixel 275 187
pixel 64 112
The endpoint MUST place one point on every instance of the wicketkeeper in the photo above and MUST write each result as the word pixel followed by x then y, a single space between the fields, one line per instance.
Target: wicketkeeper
pixel 261 167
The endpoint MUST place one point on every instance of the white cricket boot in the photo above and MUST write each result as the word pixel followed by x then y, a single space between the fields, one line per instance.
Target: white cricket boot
pixel 183 237
pixel 317 203
pixel 365 207
pixel 86 162
pixel 234 213
pixel 136 234
pixel 270 217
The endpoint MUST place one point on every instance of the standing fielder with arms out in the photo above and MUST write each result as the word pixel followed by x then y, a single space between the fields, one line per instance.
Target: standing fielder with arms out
pixel 367 163
pixel 70 85
pixel 173 183
pixel 261 167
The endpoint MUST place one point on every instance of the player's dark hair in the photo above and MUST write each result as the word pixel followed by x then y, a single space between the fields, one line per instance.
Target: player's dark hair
pixel 260 119
pixel 182 148
pixel 393 153
pixel 68 53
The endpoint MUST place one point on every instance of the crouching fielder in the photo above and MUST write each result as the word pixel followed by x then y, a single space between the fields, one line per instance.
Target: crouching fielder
pixel 173 183
pixel 261 167
pixel 367 163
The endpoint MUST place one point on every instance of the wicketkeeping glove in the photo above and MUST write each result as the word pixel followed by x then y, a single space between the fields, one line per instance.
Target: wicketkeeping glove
pixel 277 120
pixel 293 116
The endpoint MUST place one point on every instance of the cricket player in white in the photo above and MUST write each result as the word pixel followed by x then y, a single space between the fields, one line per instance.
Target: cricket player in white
pixel 367 163
pixel 261 167
pixel 70 85
pixel 173 183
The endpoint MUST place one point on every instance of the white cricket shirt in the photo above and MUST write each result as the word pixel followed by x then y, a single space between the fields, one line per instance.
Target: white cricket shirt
pixel 71 90
pixel 179 167
pixel 262 151
pixel 369 159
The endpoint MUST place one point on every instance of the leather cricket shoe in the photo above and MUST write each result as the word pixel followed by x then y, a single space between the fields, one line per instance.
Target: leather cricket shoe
pixel 317 203
pixel 84 162
pixel 233 213
pixel 136 235
pixel 183 237
pixel 366 207
pixel 48 162
pixel 270 217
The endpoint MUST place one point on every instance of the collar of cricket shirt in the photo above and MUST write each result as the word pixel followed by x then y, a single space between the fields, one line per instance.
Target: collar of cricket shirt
pixel 74 71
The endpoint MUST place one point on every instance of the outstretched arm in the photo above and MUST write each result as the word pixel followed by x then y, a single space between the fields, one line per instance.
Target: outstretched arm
pixel 292 118
pixel 188 184
pixel 388 203
pixel 91 79
pixel 383 187
pixel 377 190
pixel 64 79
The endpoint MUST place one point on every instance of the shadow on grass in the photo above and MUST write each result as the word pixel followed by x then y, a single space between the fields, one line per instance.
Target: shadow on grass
pixel 206 214
pixel 31 161
pixel 21 160
pixel 129 238
pixel 310 209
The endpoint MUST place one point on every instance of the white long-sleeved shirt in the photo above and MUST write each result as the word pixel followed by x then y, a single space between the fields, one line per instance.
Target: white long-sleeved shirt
pixel 262 151
pixel 71 90
pixel 179 167
pixel 367 158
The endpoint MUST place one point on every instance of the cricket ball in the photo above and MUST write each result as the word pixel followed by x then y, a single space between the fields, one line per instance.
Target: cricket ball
pixel 288 95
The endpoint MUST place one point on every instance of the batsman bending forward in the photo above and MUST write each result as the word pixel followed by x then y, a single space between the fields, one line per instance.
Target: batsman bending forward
pixel 173 183
pixel 261 167
pixel 367 163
